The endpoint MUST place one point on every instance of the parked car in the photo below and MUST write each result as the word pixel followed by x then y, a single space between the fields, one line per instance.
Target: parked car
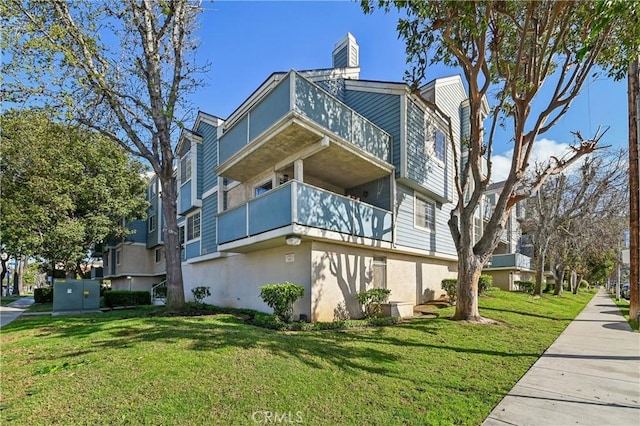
pixel 624 291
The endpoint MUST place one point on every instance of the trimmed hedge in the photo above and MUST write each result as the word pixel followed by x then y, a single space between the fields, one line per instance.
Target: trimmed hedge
pixel 43 295
pixel 281 297
pixel 525 286
pixel 273 322
pixel 484 283
pixel 126 298
pixel 450 285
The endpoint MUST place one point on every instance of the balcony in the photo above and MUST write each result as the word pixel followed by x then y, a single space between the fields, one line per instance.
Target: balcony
pixel 512 260
pixel 292 116
pixel 296 203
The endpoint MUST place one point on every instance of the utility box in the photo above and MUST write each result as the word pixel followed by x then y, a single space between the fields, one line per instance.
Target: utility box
pixel 76 295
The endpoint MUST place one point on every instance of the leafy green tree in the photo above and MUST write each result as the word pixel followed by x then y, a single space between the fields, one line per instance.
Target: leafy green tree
pixel 63 188
pixel 121 68
pixel 511 49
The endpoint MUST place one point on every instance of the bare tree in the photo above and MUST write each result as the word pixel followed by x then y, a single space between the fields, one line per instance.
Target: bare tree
pixel 123 69
pixel 594 193
pixel 512 49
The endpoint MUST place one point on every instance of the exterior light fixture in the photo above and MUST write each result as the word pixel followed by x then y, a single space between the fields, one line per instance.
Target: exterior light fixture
pixel 293 240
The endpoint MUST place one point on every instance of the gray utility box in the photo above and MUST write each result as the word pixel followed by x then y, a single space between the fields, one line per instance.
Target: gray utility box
pixel 76 295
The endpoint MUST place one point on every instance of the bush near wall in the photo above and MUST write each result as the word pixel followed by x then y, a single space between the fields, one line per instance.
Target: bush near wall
pixel 126 298
pixel 450 286
pixel 484 283
pixel 525 286
pixel 43 295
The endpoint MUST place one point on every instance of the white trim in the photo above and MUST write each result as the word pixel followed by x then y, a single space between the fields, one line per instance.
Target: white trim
pixel 348 74
pixel 232 185
pixel 134 275
pixel 210 192
pixel 210 256
pixel 220 200
pixel 403 136
pixel 385 88
pixel 186 228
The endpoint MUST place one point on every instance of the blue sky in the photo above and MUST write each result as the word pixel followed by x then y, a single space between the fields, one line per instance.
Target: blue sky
pixel 246 41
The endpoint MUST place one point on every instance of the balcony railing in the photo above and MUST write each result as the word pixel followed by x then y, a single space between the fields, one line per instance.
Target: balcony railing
pixel 295 93
pixel 302 204
pixel 512 260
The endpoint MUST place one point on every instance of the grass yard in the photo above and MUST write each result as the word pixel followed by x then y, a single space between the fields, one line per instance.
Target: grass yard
pixel 115 368
pixel 5 300
pixel 624 308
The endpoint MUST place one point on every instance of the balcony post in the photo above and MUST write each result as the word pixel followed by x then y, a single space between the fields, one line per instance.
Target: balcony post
pixel 298 170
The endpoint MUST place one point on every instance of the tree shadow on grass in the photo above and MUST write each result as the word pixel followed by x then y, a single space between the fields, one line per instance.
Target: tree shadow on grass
pixel 528 314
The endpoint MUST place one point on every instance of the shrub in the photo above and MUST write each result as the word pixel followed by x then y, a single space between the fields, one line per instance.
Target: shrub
pixel 199 294
pixel 484 283
pixel 126 298
pixel 273 322
pixel 450 285
pixel 43 295
pixel 583 284
pixel 281 297
pixel 370 301
pixel 525 286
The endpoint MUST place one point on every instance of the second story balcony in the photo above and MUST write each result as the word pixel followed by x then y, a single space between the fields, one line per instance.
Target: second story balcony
pixel 290 115
pixel 302 209
pixel 512 260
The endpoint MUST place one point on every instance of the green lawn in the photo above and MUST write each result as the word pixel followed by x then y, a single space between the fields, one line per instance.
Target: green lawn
pixel 5 300
pixel 624 308
pixel 114 368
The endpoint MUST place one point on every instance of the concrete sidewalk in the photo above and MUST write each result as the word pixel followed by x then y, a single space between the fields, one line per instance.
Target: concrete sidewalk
pixel 589 376
pixel 13 310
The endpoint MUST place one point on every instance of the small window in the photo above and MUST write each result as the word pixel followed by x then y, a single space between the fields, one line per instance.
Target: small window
pixel 425 214
pixel 379 272
pixel 185 168
pixel 181 235
pixel 105 261
pixel 193 227
pixel 267 186
pixel 152 223
pixel 159 255
pixel 440 145
pixel 118 253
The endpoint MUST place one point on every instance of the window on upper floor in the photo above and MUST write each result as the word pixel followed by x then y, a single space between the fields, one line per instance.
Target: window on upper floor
pixel 440 145
pixel 152 223
pixel 105 261
pixel 425 214
pixel 181 234
pixel 193 227
pixel 118 256
pixel 153 189
pixel 185 168
pixel 477 229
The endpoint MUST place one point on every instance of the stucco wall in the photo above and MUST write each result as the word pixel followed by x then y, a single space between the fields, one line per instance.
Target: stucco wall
pixel 137 283
pixel 339 272
pixel 503 280
pixel 235 281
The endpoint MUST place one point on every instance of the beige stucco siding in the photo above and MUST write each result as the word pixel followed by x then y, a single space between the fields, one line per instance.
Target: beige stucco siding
pixel 505 279
pixel 235 281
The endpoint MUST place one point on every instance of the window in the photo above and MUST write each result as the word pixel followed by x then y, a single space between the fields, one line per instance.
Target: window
pixel 185 168
pixel 193 227
pixel 181 229
pixel 105 262
pixel 152 189
pixel 159 255
pixel 477 229
pixel 267 186
pixel 425 214
pixel 440 145
pixel 379 272
pixel 118 253
pixel 152 223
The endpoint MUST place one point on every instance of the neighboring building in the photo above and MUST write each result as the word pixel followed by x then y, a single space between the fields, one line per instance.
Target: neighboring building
pixel 138 263
pixel 511 260
pixel 326 180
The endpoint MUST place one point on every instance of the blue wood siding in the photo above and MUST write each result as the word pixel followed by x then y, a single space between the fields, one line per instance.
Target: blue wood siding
pixel 340 58
pixel 186 147
pixel 234 139
pixel 209 155
pixel 209 217
pixel 185 197
pixel 382 110
pixel 199 171
pixel 422 165
pixel 408 235
pixel 139 234
pixel 192 249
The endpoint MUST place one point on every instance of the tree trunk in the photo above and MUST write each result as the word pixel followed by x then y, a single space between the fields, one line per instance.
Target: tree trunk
pixel 537 290
pixel 469 272
pixel 17 278
pixel 559 276
pixel 634 188
pixel 175 286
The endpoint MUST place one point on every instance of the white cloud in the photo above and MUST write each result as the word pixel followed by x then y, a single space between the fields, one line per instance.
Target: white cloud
pixel 543 149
